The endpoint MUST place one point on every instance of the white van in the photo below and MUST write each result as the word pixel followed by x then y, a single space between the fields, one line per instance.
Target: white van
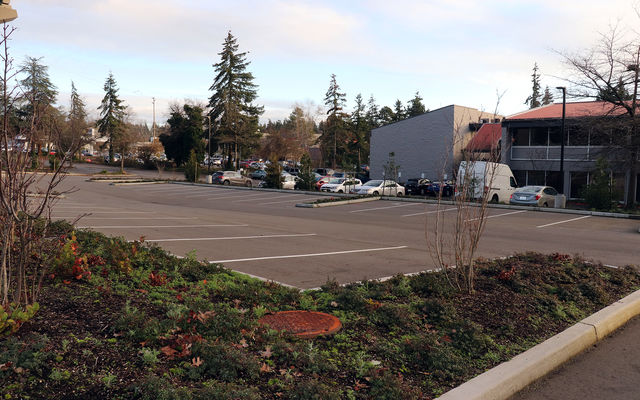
pixel 495 179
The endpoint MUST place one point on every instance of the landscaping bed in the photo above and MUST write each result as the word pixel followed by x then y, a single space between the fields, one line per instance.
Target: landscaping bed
pixel 127 320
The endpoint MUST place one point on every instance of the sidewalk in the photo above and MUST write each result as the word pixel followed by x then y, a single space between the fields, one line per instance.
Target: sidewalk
pixel 609 370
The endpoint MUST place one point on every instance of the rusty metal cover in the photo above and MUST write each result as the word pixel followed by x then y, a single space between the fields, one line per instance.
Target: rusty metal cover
pixel 305 324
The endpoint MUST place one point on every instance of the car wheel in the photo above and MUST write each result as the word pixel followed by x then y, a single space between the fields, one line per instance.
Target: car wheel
pixel 399 194
pixel 494 199
pixel 340 191
pixel 226 183
pixel 376 193
pixel 249 184
pixel 545 205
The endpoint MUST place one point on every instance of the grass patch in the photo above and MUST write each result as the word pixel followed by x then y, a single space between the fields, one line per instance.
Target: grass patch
pixel 145 324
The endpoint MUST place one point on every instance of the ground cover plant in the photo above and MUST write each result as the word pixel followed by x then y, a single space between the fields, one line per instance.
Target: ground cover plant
pixel 124 320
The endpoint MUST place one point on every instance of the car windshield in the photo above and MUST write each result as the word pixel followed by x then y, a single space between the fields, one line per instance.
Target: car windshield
pixel 373 183
pixel 336 181
pixel 530 189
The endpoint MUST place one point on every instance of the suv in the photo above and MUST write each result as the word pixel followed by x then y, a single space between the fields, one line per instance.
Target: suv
pixel 232 178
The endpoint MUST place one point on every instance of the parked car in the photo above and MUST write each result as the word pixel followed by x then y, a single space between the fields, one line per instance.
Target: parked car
pixel 289 181
pixel 293 170
pixel 232 178
pixel 541 196
pixel 433 188
pixel 324 171
pixel 258 174
pixel 417 186
pixel 340 185
pixel 380 187
pixel 321 181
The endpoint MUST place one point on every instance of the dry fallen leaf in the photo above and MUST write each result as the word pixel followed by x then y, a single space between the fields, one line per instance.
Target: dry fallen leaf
pixel 196 361
pixel 267 352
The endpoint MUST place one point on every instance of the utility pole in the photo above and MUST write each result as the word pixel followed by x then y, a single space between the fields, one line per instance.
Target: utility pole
pixel 153 125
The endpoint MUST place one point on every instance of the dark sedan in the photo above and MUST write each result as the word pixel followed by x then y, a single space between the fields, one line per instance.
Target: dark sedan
pixel 417 187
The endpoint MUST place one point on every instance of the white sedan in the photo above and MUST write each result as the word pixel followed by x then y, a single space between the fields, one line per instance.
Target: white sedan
pixel 380 187
pixel 340 185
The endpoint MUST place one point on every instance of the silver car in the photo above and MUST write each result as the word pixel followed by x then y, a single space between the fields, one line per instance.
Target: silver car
pixel 541 196
pixel 380 187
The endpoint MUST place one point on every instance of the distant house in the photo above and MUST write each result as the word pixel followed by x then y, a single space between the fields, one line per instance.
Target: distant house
pixel 428 145
pixel 532 140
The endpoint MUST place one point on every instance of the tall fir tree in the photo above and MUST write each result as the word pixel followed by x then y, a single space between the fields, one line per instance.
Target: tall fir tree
pixel 361 131
pixel 77 120
pixel 398 111
pixel 533 101
pixel 334 132
pixel 231 105
pixel 373 117
pixel 37 100
pixel 547 98
pixel 415 106
pixel 112 115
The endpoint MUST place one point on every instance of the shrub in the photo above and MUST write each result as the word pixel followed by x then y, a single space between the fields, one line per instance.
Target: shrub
pixel 192 168
pixel 314 390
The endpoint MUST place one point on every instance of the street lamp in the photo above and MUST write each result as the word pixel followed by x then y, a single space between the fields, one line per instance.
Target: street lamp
pixel 564 104
pixel 209 144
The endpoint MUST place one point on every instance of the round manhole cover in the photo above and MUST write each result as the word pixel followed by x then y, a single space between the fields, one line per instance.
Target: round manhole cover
pixel 306 324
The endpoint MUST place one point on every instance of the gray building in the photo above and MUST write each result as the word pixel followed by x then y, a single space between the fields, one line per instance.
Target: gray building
pixel 532 140
pixel 428 145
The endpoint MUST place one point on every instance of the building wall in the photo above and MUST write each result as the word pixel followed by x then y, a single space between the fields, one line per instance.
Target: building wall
pixel 428 145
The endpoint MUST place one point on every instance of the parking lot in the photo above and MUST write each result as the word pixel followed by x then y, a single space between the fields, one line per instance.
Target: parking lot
pixel 263 233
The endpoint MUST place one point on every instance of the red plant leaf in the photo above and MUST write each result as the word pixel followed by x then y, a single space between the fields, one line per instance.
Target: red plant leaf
pixel 196 362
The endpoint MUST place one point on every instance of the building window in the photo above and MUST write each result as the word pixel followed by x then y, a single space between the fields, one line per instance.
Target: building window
pixel 520 137
pixel 539 137
pixel 555 136
pixel 577 137
pixel 599 137
pixel 578 183
pixel 535 178
pixel 553 180
pixel 521 177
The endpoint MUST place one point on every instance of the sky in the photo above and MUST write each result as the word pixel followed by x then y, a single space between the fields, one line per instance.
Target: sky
pixel 462 52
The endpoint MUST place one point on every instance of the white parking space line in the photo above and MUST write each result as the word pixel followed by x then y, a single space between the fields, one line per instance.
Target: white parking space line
pixel 231 237
pixel 129 218
pixel 208 193
pixel 562 222
pixel 266 197
pixel 170 189
pixel 497 215
pixel 118 212
pixel 430 212
pixel 158 226
pixel 288 201
pixel 309 255
pixel 384 208
pixel 240 195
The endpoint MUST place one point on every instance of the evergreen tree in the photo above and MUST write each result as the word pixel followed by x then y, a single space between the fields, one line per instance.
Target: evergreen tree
pixel 361 132
pixel 274 178
pixel 231 104
pixel 77 121
pixel 548 97
pixel 613 94
pixel 533 101
pixel 185 134
pixel 398 112
pixel 373 118
pixel 306 177
pixel 112 114
pixel 386 115
pixel 415 106
pixel 36 103
pixel 334 132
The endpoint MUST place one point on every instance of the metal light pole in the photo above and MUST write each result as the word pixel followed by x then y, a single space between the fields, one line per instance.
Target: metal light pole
pixel 564 104
pixel 209 145
pixel 153 125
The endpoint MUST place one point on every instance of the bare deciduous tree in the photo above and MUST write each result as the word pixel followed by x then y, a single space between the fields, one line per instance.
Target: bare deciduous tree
pixel 25 196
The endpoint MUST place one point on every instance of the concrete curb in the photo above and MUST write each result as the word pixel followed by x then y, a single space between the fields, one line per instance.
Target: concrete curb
pixel 528 208
pixel 336 203
pixel 510 377
pixel 307 192
pixel 115 183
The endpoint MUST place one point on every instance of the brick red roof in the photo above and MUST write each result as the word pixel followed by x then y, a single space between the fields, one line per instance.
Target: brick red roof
pixel 486 139
pixel 573 110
